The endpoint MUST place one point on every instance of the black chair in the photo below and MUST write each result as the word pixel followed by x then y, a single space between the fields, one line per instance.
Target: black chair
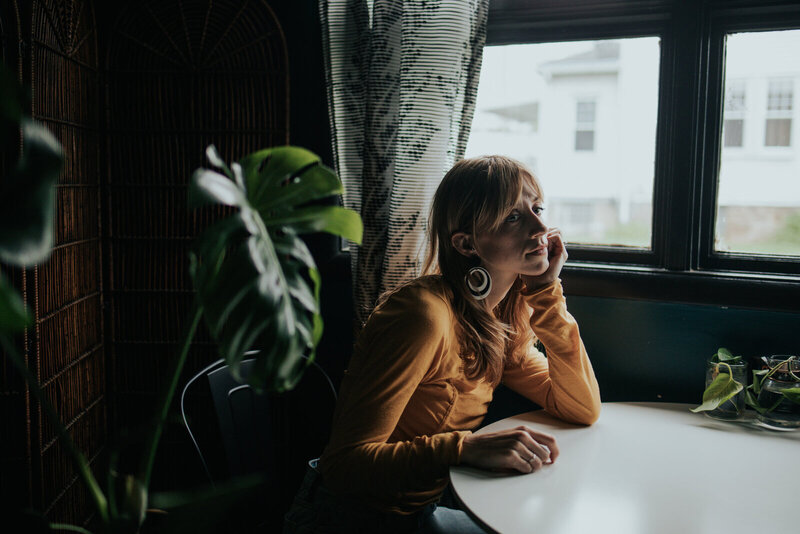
pixel 252 427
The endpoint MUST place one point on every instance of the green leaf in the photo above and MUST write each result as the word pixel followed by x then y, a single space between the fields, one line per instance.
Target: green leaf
pixel 724 355
pixel 752 401
pixel 758 379
pixel 208 187
pixel 59 527
pixel 133 504
pixel 256 281
pixel 27 199
pixel 312 184
pixel 793 394
pixel 331 219
pixel 216 161
pixel 272 167
pixel 723 388
pixel 722 352
pixel 13 316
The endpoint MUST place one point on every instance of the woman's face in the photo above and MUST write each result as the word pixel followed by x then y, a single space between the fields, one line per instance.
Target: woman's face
pixel 519 244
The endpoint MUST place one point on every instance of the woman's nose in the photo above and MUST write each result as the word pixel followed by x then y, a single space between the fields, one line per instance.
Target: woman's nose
pixel 537 225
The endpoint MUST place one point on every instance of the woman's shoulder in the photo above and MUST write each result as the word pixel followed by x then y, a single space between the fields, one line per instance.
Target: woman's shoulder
pixel 426 291
pixel 423 300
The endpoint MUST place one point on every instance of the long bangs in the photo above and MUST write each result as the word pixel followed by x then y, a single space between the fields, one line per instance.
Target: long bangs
pixel 502 190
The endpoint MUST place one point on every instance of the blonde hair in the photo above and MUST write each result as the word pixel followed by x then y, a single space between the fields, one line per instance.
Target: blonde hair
pixel 475 196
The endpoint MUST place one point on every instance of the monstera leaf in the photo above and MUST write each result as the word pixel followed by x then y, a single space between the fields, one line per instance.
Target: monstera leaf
pixel 256 281
pixel 27 199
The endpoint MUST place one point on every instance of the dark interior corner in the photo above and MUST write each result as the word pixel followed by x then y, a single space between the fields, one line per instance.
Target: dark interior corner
pixel 111 303
pixel 135 91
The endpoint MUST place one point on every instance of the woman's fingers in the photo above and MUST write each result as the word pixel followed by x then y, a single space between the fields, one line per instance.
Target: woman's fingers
pixel 555 244
pixel 521 449
pixel 544 439
pixel 527 446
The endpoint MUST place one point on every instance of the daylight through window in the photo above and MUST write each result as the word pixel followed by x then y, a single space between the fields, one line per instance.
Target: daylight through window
pixel 583 116
pixel 758 199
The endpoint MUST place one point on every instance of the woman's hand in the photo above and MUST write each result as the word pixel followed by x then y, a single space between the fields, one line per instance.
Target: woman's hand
pixel 556 256
pixel 520 449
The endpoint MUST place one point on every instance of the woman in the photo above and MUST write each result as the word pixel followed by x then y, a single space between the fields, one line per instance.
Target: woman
pixel 429 357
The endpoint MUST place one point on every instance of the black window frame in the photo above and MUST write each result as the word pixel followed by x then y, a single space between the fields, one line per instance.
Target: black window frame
pixel 681 264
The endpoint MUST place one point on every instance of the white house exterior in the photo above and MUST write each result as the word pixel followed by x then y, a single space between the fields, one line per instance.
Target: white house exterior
pixel 583 117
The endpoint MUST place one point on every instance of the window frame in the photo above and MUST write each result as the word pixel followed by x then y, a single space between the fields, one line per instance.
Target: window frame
pixel 681 264
pixel 723 21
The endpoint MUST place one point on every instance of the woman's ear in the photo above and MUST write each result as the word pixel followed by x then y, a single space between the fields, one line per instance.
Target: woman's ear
pixel 462 242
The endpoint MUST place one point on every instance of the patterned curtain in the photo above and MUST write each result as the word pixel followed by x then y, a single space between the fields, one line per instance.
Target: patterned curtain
pixel 402 78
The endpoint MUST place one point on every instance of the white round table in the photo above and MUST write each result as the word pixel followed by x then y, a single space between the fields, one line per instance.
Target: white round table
pixel 644 468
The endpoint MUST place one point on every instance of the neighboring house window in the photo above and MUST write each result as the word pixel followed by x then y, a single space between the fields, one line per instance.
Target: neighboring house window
pixel 778 127
pixel 735 107
pixel 585 125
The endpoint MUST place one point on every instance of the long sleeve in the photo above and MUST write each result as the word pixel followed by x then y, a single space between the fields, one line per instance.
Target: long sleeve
pixel 563 383
pixel 403 344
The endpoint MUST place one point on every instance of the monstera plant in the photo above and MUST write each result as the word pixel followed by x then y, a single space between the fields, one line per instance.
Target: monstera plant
pixel 256 281
pixel 257 287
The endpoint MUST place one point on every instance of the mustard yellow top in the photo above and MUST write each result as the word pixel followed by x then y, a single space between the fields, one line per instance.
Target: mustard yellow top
pixel 405 405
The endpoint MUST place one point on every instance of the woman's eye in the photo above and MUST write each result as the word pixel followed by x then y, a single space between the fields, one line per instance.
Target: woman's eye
pixel 514 217
pixel 538 210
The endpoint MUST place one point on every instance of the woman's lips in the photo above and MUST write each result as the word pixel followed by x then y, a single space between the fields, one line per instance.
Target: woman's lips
pixel 538 251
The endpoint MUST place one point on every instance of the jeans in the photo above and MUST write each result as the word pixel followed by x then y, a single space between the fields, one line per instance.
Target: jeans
pixel 316 510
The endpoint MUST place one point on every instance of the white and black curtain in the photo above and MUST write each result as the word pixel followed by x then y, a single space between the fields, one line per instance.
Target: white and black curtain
pixel 402 79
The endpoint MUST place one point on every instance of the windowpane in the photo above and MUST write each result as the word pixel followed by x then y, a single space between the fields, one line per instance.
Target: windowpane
pixel 780 95
pixel 584 140
pixel 585 112
pixel 778 132
pixel 758 200
pixel 592 144
pixel 734 132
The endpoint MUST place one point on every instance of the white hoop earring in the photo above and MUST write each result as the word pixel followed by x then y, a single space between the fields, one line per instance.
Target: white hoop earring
pixel 479 282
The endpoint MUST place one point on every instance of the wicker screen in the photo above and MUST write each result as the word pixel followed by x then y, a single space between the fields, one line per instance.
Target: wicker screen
pixel 65 293
pixel 180 76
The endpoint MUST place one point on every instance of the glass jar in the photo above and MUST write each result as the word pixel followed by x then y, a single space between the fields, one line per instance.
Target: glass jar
pixel 732 408
pixel 782 413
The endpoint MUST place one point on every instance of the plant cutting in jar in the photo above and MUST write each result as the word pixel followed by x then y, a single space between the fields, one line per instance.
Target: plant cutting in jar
pixel 762 375
pixel 723 387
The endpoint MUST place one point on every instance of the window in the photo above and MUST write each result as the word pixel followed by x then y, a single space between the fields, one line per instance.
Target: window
pixel 778 127
pixel 690 188
pixel 577 76
pixel 760 218
pixel 584 125
pixel 733 129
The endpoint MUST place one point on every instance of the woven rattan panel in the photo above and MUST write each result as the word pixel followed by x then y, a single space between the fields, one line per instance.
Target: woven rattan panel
pixel 181 75
pixel 66 292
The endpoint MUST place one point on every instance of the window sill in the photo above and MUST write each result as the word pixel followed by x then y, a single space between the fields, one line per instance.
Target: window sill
pixel 718 288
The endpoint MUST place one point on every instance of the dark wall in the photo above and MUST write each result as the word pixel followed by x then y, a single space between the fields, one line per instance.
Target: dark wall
pixel 656 351
pixel 650 351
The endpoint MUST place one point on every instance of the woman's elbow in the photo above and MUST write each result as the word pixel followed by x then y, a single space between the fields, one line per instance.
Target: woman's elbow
pixel 588 414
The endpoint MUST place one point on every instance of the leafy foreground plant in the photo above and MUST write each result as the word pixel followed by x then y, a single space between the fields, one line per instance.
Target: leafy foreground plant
pixel 256 282
pixel 724 386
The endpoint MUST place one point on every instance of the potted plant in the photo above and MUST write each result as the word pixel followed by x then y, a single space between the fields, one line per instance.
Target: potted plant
pixel 724 396
pixel 774 392
pixel 256 286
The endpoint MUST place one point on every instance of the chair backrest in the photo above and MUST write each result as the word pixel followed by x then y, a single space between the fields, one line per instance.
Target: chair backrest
pixel 244 419
pixel 247 420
